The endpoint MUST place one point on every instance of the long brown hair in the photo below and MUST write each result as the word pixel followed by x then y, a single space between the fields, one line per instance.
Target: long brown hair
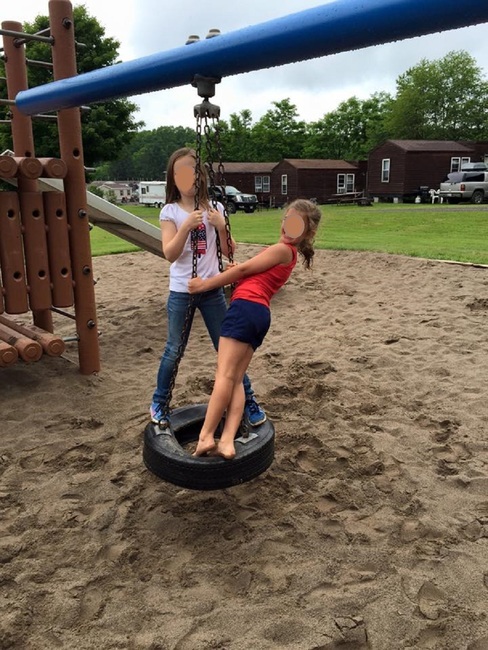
pixel 172 192
pixel 313 215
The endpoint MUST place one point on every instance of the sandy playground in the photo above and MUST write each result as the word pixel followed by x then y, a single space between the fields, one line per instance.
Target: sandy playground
pixel 370 529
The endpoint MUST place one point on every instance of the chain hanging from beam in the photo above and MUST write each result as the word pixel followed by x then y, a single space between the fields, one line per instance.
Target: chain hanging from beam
pixel 208 130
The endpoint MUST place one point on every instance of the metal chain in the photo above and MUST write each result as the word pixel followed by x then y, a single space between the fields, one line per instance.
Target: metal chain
pixel 221 171
pixel 211 178
pixel 190 311
pixel 203 110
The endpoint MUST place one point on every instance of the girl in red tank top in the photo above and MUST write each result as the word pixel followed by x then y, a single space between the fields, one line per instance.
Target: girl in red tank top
pixel 248 319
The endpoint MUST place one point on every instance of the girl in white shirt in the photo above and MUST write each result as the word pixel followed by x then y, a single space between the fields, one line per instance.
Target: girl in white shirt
pixel 179 218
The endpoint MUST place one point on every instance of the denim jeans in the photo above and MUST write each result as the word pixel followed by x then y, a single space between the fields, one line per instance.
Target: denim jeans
pixel 213 307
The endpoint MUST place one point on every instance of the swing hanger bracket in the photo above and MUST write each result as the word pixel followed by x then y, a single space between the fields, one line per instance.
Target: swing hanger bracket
pixel 206 88
pixel 206 109
pixel 205 85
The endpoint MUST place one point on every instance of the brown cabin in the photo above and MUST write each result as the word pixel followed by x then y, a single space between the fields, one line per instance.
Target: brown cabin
pixel 404 169
pixel 251 178
pixel 277 183
pixel 319 179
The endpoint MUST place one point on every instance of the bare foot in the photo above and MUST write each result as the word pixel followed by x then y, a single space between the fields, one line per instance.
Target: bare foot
pixel 204 446
pixel 226 450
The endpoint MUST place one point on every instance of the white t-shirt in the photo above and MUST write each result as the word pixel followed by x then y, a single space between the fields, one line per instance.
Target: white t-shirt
pixel 207 262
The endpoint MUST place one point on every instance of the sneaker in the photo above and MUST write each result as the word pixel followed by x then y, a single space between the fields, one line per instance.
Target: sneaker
pixel 253 412
pixel 157 416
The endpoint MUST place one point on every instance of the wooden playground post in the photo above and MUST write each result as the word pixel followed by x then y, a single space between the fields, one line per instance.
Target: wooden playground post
pixel 33 219
pixel 69 125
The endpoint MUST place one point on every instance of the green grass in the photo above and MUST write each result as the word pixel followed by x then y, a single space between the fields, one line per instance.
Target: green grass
pixel 431 231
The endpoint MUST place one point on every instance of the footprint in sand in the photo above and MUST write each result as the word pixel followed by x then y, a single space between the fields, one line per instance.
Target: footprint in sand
pixel 431 600
pixel 91 604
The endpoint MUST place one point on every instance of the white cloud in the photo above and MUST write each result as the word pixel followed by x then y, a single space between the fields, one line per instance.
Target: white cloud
pixel 145 27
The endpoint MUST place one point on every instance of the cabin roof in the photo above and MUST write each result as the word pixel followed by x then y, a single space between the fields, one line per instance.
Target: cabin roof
pixel 311 163
pixel 428 145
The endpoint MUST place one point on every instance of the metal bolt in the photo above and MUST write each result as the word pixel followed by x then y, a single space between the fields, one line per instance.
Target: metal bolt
pixel 86 270
pixel 82 213
pixel 90 324
pixel 212 33
pixel 193 38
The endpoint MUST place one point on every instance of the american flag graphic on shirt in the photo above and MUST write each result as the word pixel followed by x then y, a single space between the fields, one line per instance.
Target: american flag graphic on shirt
pixel 201 240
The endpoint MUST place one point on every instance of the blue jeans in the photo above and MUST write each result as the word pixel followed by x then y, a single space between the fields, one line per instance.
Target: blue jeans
pixel 213 308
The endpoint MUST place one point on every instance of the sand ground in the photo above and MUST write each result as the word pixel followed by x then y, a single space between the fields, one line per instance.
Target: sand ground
pixel 370 529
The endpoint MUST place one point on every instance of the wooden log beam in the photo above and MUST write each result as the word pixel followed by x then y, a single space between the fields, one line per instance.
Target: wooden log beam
pixel 8 354
pixel 52 345
pixel 28 349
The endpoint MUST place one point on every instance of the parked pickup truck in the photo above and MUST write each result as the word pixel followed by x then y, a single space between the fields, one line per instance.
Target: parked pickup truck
pixel 469 184
pixel 235 199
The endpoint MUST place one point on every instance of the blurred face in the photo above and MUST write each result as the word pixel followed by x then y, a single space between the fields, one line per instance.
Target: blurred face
pixel 293 226
pixel 184 171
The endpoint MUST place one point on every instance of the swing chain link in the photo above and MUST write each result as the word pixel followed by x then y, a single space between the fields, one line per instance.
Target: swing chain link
pixel 201 111
pixel 223 183
pixel 211 178
pixel 190 311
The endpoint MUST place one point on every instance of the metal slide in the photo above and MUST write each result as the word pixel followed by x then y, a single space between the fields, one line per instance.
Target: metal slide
pixel 115 220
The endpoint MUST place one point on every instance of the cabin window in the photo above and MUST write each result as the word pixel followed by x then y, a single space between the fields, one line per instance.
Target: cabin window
pixel 261 184
pixel 457 163
pixel 284 184
pixel 385 170
pixel 345 183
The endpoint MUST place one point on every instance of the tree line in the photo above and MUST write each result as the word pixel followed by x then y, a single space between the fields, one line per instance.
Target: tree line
pixel 444 99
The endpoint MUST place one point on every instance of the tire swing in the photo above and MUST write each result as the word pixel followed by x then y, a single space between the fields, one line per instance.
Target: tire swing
pixel 165 455
pixel 164 451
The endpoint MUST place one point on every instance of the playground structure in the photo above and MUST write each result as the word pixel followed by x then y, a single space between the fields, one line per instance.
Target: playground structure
pixel 45 252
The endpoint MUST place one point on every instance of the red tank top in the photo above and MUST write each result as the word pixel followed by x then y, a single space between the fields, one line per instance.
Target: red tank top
pixel 263 286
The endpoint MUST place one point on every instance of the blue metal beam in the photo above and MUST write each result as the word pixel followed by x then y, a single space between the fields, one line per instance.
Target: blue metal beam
pixel 338 26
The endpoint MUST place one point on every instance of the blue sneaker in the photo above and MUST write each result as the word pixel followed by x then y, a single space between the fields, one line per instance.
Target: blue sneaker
pixel 253 412
pixel 157 416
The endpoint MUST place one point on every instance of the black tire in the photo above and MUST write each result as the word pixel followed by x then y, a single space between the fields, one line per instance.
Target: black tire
pixel 165 456
pixel 477 197
pixel 231 207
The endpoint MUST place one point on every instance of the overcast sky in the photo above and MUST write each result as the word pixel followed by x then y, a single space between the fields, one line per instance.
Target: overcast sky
pixel 145 27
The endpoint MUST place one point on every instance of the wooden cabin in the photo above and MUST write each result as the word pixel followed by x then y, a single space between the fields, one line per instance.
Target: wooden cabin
pixel 405 169
pixel 319 179
pixel 251 178
pixel 278 183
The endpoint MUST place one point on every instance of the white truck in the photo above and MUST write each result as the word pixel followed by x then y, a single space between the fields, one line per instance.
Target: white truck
pixel 152 193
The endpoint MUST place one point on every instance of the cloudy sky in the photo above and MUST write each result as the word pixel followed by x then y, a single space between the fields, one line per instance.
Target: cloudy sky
pixel 145 27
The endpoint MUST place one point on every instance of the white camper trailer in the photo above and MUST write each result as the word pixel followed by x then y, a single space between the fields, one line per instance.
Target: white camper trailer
pixel 152 193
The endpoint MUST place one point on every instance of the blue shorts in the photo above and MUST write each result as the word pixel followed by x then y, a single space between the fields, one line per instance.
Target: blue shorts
pixel 246 321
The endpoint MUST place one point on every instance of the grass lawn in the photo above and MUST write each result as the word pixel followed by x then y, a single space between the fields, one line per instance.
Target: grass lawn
pixel 450 232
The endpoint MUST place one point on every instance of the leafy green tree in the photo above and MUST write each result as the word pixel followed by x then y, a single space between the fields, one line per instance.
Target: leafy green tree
pixel 237 137
pixel 279 133
pixel 107 126
pixel 94 189
pixel 350 131
pixel 110 196
pixel 146 156
pixel 445 99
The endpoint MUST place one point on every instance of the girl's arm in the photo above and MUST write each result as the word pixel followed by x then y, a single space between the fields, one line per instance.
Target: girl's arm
pixel 272 256
pixel 173 239
pixel 217 220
